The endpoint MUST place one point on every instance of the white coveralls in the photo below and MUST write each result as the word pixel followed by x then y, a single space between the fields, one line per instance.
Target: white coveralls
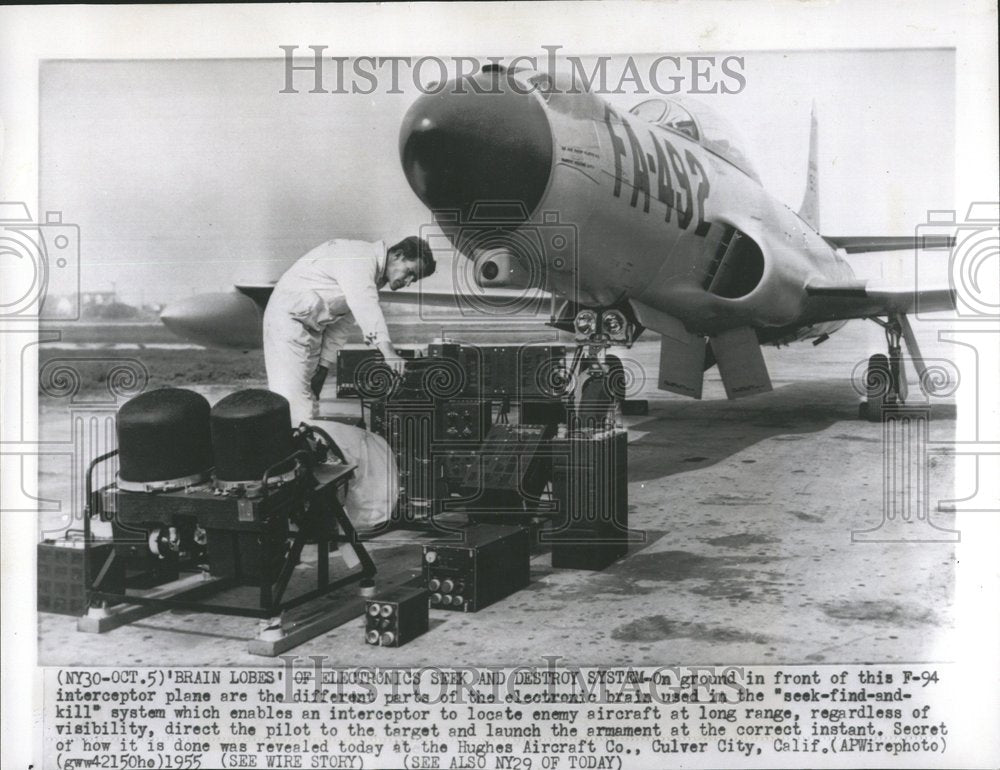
pixel 307 320
pixel 308 316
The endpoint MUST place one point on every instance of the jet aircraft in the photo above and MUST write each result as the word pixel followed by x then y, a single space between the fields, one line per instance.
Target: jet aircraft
pixel 653 218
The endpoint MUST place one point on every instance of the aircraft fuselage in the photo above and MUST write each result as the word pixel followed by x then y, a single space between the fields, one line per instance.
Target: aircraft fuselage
pixel 650 215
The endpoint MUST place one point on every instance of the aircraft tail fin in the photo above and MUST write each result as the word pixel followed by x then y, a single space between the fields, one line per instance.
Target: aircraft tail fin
pixel 809 210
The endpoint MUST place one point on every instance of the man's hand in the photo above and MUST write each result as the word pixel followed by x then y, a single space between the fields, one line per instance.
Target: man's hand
pixel 392 358
pixel 316 383
pixel 396 363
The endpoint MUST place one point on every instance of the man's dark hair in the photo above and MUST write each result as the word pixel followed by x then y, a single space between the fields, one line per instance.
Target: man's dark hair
pixel 419 249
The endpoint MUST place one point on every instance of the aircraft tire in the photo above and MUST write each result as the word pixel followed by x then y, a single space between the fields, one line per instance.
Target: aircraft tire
pixel 878 384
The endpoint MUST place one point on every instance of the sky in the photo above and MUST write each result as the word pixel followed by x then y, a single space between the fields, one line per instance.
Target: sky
pixel 187 176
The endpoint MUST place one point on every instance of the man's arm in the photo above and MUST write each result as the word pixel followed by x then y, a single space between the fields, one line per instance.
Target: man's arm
pixel 334 339
pixel 361 294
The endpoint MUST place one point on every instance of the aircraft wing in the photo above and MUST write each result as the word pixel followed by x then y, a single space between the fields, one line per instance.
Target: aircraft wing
pixel 861 299
pixel 260 293
pixel 438 299
pixel 857 244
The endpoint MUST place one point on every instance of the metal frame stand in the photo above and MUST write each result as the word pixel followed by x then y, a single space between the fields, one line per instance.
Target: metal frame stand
pixel 322 518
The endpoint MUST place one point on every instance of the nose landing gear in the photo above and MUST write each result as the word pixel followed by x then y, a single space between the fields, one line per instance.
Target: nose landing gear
pixel 596 330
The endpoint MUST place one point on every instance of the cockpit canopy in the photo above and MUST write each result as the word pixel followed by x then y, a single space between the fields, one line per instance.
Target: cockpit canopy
pixel 701 124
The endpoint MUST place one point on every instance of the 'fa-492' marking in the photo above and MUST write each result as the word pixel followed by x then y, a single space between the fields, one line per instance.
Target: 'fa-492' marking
pixel 673 179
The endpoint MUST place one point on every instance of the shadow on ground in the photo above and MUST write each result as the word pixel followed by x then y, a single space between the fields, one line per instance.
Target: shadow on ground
pixel 686 435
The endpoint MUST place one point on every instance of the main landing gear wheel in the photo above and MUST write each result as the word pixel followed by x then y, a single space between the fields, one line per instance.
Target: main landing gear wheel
pixel 885 378
pixel 878 388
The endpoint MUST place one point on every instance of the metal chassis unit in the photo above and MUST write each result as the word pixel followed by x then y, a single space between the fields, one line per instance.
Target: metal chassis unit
pixel 316 486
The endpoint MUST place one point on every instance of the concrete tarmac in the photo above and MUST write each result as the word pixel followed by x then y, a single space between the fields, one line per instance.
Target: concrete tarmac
pixel 747 510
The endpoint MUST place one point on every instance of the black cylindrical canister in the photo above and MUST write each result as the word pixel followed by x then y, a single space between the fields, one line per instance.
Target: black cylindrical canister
pixel 251 431
pixel 163 435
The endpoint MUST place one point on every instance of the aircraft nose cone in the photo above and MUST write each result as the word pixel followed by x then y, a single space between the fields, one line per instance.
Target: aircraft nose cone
pixel 477 141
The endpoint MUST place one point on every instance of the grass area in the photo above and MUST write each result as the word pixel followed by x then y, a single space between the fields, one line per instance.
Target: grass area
pixel 162 368
pixel 403 333
pixel 110 333
pixel 199 366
